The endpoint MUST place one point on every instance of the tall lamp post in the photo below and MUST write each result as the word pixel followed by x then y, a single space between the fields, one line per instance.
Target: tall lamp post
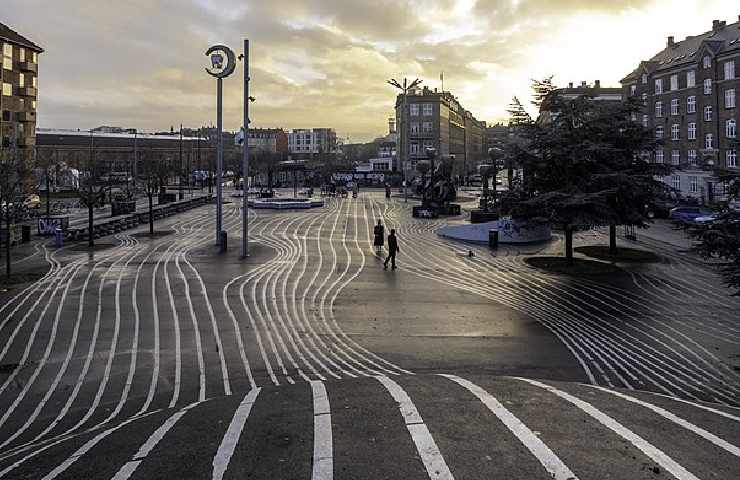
pixel 245 152
pixel 220 69
pixel 405 131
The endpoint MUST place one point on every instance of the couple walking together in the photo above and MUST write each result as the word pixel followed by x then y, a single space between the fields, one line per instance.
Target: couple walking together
pixel 392 244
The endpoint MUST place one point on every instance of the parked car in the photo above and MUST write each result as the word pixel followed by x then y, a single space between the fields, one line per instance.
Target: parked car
pixel 689 214
pixel 706 220
pixel 659 208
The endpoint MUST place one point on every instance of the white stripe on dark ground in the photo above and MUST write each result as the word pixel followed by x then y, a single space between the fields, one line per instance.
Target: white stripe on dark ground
pixel 677 420
pixel 323 450
pixel 430 455
pixel 657 455
pixel 233 434
pixel 552 463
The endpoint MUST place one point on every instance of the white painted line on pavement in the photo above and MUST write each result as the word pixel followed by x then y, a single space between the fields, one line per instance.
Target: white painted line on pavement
pixel 677 420
pixel 430 455
pixel 657 455
pixel 552 463
pixel 323 450
pixel 232 435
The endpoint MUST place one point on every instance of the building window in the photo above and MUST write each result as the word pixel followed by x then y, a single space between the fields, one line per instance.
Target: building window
pixel 674 106
pixel 706 62
pixel 675 132
pixel 22 54
pixel 426 127
pixel 658 86
pixel 21 80
pixel 414 110
pixel 708 141
pixel 645 121
pixel 691 104
pixel 427 110
pixel 644 78
pixel 708 113
pixel 674 82
pixel 676 182
pixel 730 98
pixel 676 157
pixel 731 157
pixel 692 131
pixel 659 132
pixel 33 81
pixel 35 58
pixel 414 148
pixel 658 109
pixel 644 98
pixel 708 86
pixel 633 90
pixel 693 184
pixel 659 156
pixel 731 128
pixel 691 78
pixel 414 127
pixel 33 105
pixel 7 56
pixel 692 157
pixel 730 70
pixel 7 89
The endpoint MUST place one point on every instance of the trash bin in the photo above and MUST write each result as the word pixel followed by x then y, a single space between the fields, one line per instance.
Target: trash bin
pixel 58 240
pixel 224 241
pixel 25 233
pixel 493 238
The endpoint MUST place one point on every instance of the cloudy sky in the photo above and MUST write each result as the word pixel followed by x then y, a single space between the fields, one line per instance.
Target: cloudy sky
pixel 315 63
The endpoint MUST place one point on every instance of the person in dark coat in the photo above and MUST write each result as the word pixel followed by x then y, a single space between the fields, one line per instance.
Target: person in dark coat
pixel 392 250
pixel 378 232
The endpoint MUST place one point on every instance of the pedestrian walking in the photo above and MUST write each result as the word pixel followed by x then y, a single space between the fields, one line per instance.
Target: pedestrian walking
pixel 378 233
pixel 387 190
pixel 392 250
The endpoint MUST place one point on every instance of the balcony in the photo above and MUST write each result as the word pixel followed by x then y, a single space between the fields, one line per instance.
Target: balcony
pixel 28 67
pixel 26 116
pixel 26 91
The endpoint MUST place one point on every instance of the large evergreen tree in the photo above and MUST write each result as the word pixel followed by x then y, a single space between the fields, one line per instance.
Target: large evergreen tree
pixel 585 166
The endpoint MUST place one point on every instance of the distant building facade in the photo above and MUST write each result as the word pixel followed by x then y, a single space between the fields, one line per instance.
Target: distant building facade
pixel 19 83
pixel 312 141
pixel 437 120
pixel 594 91
pixel 689 94
pixel 270 140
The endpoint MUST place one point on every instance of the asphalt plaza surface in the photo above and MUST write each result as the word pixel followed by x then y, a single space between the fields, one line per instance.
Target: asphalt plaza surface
pixel 145 360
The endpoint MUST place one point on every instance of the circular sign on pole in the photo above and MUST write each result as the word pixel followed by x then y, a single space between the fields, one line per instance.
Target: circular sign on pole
pixel 223 61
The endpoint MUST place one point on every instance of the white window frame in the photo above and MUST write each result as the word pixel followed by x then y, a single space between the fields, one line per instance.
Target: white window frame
pixel 706 61
pixel 691 131
pixel 691 78
pixel 658 109
pixel 674 106
pixel 729 69
pixel 659 131
pixel 676 182
pixel 676 157
pixel 426 127
pixel 708 113
pixel 414 127
pixel 691 104
pixel 413 148
pixel 427 110
pixel 21 80
pixel 691 157
pixel 731 128
pixel 659 156
pixel 709 141
pixel 674 81
pixel 730 98
pixel 731 158
pixel 633 90
pixel 414 109
pixel 675 132
pixel 693 184
pixel 645 121
pixel 707 86
pixel 7 89
pixel 658 86
pixel 644 78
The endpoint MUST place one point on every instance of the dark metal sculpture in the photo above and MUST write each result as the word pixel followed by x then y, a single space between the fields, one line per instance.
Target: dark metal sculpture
pixel 437 190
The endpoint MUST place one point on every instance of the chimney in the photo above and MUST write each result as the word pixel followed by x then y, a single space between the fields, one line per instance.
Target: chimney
pixel 570 85
pixel 670 41
pixel 597 83
pixel 715 25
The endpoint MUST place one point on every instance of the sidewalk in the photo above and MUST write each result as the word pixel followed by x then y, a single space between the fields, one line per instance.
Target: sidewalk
pixel 663 231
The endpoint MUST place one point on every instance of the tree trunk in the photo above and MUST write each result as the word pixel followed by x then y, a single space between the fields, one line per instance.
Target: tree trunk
pixel 151 215
pixel 613 240
pixel 90 236
pixel 569 245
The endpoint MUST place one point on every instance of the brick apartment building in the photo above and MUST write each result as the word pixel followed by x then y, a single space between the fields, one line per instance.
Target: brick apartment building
pixel 304 143
pixel 436 119
pixel 689 91
pixel 270 140
pixel 18 82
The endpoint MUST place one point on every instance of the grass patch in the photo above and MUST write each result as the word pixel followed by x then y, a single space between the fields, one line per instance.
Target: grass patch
pixel 18 279
pixel 631 255
pixel 579 267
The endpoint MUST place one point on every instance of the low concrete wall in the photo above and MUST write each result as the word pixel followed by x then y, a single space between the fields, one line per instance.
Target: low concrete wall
pixel 509 232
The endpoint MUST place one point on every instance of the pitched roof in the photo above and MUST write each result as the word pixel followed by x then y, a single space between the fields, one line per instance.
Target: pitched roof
pixel 11 36
pixel 725 39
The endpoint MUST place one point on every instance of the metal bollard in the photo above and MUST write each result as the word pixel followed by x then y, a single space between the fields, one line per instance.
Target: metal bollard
pixel 224 241
pixel 493 238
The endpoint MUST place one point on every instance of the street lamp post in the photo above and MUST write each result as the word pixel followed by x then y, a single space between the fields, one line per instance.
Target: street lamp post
pixel 245 154
pixel 405 131
pixel 220 69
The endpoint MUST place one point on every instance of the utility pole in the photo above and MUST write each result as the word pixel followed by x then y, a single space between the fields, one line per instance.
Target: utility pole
pixel 245 155
pixel 181 194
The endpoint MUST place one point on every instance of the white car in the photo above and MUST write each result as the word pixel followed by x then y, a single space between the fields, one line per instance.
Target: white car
pixel 706 220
